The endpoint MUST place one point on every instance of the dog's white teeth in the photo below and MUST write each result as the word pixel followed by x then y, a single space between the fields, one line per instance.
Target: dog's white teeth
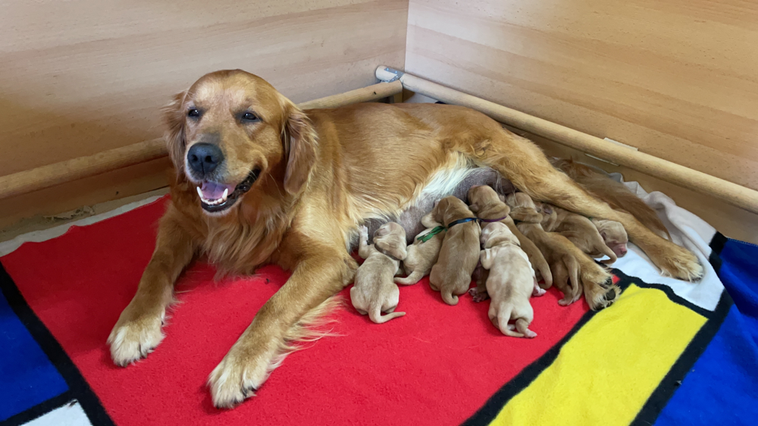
pixel 199 192
pixel 226 192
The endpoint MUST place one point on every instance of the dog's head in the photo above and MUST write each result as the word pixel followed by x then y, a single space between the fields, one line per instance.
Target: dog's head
pixel 229 129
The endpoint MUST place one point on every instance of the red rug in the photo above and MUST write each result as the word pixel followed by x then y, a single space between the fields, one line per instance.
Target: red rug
pixel 436 365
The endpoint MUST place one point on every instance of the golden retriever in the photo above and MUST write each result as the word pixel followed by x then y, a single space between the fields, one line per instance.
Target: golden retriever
pixel 260 181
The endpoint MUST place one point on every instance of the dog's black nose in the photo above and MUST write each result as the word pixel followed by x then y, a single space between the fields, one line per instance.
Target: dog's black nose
pixel 203 158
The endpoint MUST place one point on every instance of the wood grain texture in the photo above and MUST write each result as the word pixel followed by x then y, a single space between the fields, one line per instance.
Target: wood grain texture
pixel 82 76
pixel 675 79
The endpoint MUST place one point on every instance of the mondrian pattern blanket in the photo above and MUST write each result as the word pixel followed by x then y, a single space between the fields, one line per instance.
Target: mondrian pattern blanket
pixel 667 352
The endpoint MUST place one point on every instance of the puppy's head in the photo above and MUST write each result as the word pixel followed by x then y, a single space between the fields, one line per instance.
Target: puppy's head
pixel 497 233
pixel 523 208
pixel 390 237
pixel 449 209
pixel 229 129
pixel 485 202
pixel 549 214
pixel 614 235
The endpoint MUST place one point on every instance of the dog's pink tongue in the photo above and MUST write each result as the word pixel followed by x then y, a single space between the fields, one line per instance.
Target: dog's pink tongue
pixel 214 191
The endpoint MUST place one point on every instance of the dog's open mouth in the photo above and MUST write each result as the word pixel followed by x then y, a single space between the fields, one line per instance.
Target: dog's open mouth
pixel 217 197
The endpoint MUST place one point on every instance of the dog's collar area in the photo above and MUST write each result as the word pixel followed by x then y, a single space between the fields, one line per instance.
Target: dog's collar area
pixel 459 221
pixel 384 252
pixel 492 220
pixel 232 198
pixel 436 230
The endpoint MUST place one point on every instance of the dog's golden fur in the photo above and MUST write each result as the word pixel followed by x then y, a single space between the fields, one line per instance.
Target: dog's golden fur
pixel 320 173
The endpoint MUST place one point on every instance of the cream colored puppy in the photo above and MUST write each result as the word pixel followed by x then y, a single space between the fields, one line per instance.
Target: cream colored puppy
pixel 374 291
pixel 424 251
pixel 511 281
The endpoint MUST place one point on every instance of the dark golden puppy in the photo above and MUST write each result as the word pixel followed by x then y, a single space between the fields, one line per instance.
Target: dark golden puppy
pixel 260 181
pixel 459 254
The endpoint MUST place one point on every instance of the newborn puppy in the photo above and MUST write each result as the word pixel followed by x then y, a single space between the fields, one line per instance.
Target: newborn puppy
pixel 578 229
pixel 573 271
pixel 459 254
pixel 523 208
pixel 423 254
pixel 511 281
pixel 374 291
pixel 485 202
pixel 410 216
pixel 613 234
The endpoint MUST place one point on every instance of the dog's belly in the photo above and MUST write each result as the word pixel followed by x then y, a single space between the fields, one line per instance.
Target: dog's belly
pixel 457 182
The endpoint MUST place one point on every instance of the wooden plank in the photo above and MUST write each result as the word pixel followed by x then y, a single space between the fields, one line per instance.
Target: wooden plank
pixel 674 79
pixel 81 77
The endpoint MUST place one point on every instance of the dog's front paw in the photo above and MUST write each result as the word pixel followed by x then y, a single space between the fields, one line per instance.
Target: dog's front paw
pixel 134 336
pixel 237 377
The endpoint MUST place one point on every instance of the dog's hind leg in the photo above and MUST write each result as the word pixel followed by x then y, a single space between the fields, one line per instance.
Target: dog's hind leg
pixel 524 164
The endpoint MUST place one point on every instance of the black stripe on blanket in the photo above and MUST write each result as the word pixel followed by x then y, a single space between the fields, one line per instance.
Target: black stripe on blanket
pixel 79 389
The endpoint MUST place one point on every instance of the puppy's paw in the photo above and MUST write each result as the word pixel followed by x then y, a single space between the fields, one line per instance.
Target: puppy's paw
pixel 363 231
pixel 478 297
pixel 135 336
pixel 237 377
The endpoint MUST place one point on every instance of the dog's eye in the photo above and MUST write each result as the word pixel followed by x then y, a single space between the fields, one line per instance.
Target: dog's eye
pixel 193 112
pixel 249 116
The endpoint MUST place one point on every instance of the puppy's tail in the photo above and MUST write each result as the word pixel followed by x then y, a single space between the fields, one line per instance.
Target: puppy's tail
pixel 523 327
pixel 375 314
pixel 448 297
pixel 411 279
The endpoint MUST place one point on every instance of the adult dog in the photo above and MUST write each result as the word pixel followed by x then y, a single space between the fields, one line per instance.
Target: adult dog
pixel 260 181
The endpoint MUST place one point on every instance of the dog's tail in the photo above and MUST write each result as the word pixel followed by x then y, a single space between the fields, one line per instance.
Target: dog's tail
pixel 501 322
pixel 616 194
pixel 411 279
pixel 448 296
pixel 375 314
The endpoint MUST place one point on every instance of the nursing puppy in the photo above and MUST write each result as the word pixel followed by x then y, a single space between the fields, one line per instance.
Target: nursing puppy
pixel 511 281
pixel 616 194
pixel 423 254
pixel 374 292
pixel 459 254
pixel 613 234
pixel 488 207
pixel 578 229
pixel 574 273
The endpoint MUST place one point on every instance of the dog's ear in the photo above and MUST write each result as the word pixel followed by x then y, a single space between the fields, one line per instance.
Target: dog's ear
pixel 300 141
pixel 174 117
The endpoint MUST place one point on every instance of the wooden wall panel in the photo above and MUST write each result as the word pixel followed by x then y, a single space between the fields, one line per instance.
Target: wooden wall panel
pixel 676 79
pixel 82 76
